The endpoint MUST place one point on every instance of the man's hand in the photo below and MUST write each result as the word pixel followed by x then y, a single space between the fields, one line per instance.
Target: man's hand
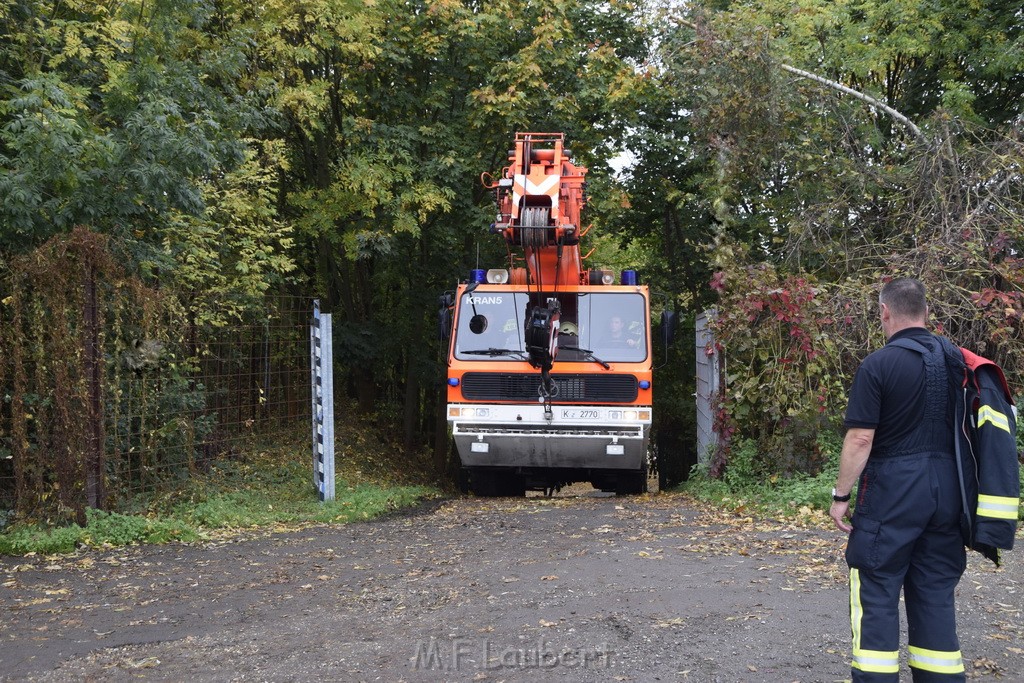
pixel 838 512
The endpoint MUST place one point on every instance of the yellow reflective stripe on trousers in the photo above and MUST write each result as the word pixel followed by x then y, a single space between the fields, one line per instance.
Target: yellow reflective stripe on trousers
pixel 993 417
pixel 1000 507
pixel 867 660
pixel 856 609
pixel 877 661
pixel 936 661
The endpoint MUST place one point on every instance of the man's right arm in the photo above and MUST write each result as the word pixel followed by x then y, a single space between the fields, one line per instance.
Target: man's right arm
pixel 856 449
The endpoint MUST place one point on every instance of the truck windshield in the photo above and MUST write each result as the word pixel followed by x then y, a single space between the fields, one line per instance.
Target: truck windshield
pixel 491 326
pixel 612 326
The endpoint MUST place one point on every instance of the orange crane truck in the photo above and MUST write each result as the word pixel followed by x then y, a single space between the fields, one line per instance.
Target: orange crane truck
pixel 549 363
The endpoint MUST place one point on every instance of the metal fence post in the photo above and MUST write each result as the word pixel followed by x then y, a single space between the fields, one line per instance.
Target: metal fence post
pixel 322 398
pixel 708 382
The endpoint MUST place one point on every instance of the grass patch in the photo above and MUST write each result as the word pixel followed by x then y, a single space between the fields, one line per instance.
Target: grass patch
pixel 103 529
pixel 744 485
pixel 268 486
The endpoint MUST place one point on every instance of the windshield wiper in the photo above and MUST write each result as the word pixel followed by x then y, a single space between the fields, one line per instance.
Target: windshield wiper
pixel 587 353
pixel 494 352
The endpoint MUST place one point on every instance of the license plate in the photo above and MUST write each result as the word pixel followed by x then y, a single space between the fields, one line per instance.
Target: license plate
pixel 580 414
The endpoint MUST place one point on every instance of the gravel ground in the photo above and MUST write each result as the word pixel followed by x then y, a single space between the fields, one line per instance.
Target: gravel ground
pixel 579 587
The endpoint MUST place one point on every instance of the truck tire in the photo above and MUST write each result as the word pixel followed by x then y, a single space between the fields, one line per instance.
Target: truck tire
pixel 632 483
pixel 462 480
pixel 488 483
pixel 483 483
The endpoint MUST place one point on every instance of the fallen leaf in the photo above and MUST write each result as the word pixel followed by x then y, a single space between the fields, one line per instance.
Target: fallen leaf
pixel 147 663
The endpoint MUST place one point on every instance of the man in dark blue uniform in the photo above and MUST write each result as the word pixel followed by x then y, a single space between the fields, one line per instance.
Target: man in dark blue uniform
pixel 905 531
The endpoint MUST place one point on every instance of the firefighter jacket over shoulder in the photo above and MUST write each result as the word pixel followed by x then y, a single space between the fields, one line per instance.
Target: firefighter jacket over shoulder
pixel 987 426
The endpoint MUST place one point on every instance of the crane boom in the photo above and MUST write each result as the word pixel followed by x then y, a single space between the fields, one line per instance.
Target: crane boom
pixel 540 198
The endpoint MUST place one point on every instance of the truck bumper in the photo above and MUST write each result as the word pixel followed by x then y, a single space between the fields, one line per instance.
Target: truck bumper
pixel 525 436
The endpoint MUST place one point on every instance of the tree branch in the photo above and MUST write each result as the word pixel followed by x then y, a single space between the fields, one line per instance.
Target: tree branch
pixel 860 96
pixel 840 87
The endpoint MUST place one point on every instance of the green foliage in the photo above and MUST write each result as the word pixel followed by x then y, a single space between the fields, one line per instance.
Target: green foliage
pixel 21 540
pixel 268 488
pixel 226 510
pixel 112 528
pixel 782 343
pixel 230 255
pixel 104 529
pixel 110 117
pixel 747 482
pixel 816 197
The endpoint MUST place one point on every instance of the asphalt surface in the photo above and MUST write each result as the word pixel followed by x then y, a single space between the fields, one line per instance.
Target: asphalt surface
pixel 573 588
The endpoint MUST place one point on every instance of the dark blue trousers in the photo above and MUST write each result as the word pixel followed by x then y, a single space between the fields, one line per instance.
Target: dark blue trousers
pixel 906 535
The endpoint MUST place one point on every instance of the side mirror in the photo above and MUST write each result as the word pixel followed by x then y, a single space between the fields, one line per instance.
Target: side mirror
pixel 444 316
pixel 669 320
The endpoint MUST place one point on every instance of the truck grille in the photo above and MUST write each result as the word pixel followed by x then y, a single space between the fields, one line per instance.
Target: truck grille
pixel 502 386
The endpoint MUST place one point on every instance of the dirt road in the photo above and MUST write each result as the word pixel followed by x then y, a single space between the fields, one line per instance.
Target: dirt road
pixel 577 588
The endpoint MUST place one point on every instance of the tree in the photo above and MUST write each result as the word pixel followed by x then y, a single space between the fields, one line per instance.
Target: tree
pixel 816 195
pixel 392 111
pixel 126 118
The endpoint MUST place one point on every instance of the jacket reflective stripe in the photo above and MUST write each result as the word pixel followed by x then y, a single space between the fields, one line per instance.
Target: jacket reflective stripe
pixel 936 661
pixel 999 507
pixel 993 417
pixel 867 660
pixel 876 661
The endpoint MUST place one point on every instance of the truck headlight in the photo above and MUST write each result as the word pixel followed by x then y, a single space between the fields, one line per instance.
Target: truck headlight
pixel 629 415
pixel 468 412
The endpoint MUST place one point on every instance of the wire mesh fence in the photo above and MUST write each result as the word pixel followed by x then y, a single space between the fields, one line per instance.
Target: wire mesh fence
pixel 112 392
pixel 208 394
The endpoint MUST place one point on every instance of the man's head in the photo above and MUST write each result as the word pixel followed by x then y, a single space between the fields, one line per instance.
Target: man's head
pixel 903 305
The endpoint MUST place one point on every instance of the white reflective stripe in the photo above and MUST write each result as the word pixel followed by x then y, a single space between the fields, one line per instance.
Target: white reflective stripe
pixel 543 187
pixel 876 661
pixel 993 417
pixel 936 661
pixel 1000 507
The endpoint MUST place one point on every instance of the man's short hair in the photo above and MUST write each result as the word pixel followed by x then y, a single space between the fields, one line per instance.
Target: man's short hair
pixel 905 297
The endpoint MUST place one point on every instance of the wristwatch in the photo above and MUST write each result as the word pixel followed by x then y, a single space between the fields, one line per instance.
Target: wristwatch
pixel 840 499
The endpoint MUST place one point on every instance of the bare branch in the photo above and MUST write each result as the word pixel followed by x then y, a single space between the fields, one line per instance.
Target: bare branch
pixel 878 104
pixel 860 96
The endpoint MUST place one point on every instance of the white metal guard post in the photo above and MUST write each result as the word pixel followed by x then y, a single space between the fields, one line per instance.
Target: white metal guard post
pixel 321 364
